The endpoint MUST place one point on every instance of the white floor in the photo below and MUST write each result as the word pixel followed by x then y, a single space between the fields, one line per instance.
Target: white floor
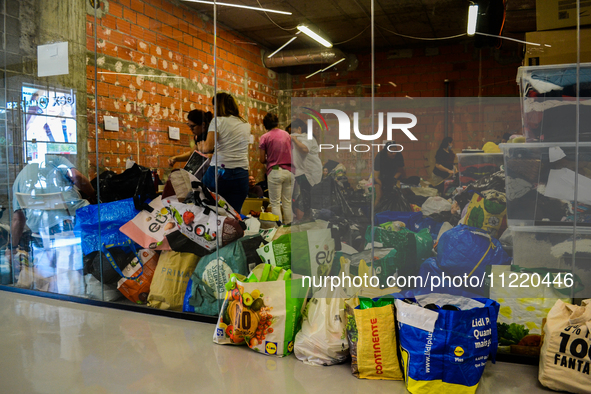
pixel 50 346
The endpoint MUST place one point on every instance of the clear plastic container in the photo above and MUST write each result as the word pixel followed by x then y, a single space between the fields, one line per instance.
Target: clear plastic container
pixel 552 247
pixel 473 166
pixel 539 179
pixel 548 107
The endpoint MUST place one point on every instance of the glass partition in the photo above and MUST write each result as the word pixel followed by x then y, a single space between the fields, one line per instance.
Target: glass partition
pixel 119 118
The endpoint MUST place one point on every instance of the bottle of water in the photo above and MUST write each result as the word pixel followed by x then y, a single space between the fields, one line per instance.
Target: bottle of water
pixel 221 170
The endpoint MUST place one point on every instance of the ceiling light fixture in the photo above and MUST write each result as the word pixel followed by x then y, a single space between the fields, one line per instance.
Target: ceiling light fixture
pixel 326 68
pixel 282 46
pixel 314 35
pixel 238 6
pixel 472 18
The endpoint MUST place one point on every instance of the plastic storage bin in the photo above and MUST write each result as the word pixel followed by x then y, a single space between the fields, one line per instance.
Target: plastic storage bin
pixel 539 179
pixel 547 106
pixel 552 247
pixel 473 166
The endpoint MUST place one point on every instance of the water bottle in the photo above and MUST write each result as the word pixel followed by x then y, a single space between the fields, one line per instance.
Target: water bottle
pixel 221 171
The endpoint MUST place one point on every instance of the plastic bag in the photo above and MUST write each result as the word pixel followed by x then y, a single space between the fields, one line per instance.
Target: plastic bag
pixel 206 289
pixel 113 215
pixel 435 205
pixel 488 212
pixel 321 340
pixel 466 249
pixel 137 290
pixel 393 201
pixel 373 343
pixel 263 311
pixel 305 253
pixel 169 283
pixel 443 350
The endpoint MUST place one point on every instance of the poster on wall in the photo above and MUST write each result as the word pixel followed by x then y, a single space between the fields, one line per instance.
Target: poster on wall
pixel 50 122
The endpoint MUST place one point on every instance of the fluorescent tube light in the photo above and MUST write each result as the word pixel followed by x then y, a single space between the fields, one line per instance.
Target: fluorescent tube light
pixel 239 6
pixel 326 68
pixel 282 46
pixel 315 36
pixel 472 18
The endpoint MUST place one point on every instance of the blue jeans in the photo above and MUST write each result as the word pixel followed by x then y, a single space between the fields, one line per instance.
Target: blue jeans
pixel 232 185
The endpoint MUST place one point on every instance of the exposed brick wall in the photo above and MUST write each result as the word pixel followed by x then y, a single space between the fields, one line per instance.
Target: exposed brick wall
pixel 420 73
pixel 155 63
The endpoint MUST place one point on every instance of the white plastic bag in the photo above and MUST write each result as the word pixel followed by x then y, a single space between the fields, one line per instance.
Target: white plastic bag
pixel 322 339
pixel 435 205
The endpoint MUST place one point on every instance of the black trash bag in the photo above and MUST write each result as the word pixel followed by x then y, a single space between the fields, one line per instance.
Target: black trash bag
pixel 134 182
pixel 349 231
pixel 494 181
pixel 328 194
pixel 412 198
pixel 446 216
pixel 395 201
pixel 110 276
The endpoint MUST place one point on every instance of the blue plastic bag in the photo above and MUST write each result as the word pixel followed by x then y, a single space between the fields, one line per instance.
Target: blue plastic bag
pixel 113 215
pixel 468 250
pixel 445 351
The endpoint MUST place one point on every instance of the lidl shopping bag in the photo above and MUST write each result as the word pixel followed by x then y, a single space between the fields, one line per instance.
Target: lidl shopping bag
pixel 137 290
pixel 169 283
pixel 322 339
pixel 444 349
pixel 148 227
pixel 263 311
pixel 206 288
pixel 565 360
pixel 305 252
pixel 371 334
pixel 522 296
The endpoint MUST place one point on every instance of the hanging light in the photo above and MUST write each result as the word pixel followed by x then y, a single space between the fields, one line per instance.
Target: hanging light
pixel 326 68
pixel 472 18
pixel 314 35
pixel 239 6
pixel 282 46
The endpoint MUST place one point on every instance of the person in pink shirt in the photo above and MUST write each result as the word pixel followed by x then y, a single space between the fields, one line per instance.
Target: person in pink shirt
pixel 275 152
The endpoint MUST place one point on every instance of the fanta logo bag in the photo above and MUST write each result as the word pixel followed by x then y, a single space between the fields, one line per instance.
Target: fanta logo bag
pixel 263 311
pixel 371 333
pixel 445 342
pixel 565 358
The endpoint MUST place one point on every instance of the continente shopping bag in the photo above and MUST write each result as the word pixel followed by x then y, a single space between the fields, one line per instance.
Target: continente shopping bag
pixel 565 358
pixel 445 341
pixel 309 253
pixel 263 311
pixel 206 288
pixel 371 333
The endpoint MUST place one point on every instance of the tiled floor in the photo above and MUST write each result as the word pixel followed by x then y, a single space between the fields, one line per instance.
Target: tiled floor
pixel 50 346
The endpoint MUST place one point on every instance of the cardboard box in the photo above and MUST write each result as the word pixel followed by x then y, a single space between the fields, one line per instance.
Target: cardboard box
pixel 558 14
pixel 557 47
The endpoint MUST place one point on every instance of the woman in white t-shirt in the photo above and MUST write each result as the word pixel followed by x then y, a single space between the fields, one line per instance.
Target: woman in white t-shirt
pixel 308 167
pixel 231 151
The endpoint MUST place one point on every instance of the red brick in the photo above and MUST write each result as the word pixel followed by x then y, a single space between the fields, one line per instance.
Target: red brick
pixel 137 5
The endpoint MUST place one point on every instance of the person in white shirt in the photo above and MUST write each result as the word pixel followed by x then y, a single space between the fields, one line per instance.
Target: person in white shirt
pixel 231 151
pixel 308 167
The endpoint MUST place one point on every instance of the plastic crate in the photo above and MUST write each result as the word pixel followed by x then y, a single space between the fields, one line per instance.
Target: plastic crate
pixel 548 107
pixel 473 166
pixel 552 247
pixel 537 180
